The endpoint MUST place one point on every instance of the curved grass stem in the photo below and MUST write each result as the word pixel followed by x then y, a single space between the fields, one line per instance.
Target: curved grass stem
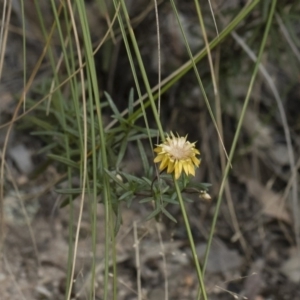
pixel 191 240
pixel 238 130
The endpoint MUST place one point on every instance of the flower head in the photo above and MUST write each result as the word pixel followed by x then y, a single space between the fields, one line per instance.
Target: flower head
pixel 177 155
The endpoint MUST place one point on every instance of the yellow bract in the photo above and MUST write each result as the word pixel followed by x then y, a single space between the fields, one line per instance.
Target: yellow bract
pixel 177 155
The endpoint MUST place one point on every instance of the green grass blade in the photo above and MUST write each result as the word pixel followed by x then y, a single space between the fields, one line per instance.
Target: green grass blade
pixel 197 73
pixel 239 125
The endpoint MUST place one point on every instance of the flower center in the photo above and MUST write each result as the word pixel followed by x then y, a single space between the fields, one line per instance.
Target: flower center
pixel 179 153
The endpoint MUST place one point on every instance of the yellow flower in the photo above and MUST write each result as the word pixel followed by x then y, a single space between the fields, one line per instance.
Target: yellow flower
pixel 177 155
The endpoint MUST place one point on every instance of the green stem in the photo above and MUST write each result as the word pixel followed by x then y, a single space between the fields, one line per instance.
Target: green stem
pixel 143 71
pixel 191 239
pixel 237 133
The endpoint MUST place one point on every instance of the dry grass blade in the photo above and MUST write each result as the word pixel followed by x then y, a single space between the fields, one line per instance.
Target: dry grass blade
pixel 288 37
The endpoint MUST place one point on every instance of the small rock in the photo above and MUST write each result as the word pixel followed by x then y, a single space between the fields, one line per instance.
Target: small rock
pixel 22 158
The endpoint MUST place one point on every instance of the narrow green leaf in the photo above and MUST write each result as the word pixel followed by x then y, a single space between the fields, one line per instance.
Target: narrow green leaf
pixel 40 123
pixel 132 178
pixel 169 200
pixel 130 102
pixel 154 213
pixel 148 181
pixel 47 148
pixel 145 200
pixel 198 185
pixel 125 195
pixel 48 133
pixel 165 212
pixel 129 201
pixel 64 160
pixel 143 156
pixel 188 200
pixel 113 106
pixel 122 151
pixel 75 191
